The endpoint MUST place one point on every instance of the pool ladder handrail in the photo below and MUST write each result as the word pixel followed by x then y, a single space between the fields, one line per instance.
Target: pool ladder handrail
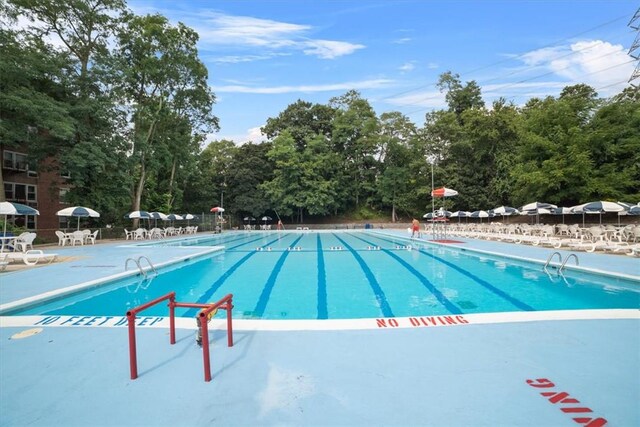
pixel 562 263
pixel 137 263
pixel 546 264
pixel 565 263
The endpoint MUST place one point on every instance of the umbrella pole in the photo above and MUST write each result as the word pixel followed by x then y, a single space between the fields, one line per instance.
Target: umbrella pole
pixel 78 223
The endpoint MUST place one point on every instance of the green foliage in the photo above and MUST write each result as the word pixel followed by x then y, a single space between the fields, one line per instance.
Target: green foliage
pixel 128 119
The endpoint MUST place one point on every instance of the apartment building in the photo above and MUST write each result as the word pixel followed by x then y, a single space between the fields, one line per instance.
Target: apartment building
pixel 43 189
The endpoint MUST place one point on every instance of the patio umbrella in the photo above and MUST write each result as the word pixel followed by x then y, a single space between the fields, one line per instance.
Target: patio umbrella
pixel 537 205
pixel 265 219
pixel 138 215
pixel 443 192
pixel 248 218
pixel 189 217
pixel 504 211
pixel 174 217
pixel 157 216
pixel 217 209
pixel 561 211
pixel 79 212
pixel 479 214
pixel 460 214
pixel 537 208
pixel 10 208
pixel 597 207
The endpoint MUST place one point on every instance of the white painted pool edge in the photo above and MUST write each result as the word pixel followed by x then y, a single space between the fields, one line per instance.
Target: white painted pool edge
pixel 516 257
pixel 97 282
pixel 325 325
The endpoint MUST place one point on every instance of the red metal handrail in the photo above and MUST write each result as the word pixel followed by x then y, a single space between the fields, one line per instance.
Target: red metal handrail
pixel 225 303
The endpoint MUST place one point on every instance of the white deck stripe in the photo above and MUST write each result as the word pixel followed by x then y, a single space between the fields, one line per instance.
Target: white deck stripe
pixel 323 325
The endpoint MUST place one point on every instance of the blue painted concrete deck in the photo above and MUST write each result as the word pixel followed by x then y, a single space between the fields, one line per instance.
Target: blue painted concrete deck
pixel 469 375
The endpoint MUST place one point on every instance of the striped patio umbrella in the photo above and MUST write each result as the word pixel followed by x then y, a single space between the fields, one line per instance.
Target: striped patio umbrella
pixel 11 208
pixel 598 207
pixel 79 212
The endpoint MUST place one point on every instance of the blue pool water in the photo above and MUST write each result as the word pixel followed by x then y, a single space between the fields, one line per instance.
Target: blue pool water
pixel 294 275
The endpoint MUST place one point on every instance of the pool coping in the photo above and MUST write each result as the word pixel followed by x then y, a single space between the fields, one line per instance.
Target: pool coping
pixel 14 305
pixel 404 322
pixel 578 268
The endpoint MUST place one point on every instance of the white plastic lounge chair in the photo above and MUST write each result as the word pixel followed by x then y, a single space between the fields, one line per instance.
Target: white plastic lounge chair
pixel 31 257
pixel 128 234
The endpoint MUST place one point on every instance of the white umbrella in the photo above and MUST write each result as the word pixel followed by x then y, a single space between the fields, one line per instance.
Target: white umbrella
pixel 562 211
pixel 138 215
pixel 537 205
pixel 598 207
pixel 188 217
pixel 504 210
pixel 79 212
pixel 11 208
pixel 461 214
pixel 479 214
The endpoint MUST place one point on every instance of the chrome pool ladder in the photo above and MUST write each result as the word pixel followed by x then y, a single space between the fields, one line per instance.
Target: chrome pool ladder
pixel 562 263
pixel 136 261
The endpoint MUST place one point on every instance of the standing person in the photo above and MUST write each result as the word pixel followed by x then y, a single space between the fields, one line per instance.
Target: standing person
pixel 280 226
pixel 415 228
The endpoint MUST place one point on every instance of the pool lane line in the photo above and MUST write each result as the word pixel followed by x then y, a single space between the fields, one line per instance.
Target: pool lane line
pixel 453 309
pixel 204 298
pixel 375 286
pixel 271 282
pixel 322 283
pixel 516 302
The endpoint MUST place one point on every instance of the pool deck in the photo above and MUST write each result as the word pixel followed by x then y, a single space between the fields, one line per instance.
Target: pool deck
pixel 471 374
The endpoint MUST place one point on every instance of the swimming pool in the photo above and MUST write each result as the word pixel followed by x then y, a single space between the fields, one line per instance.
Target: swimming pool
pixel 341 275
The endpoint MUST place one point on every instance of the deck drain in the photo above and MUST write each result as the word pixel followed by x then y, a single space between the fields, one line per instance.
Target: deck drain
pixel 26 333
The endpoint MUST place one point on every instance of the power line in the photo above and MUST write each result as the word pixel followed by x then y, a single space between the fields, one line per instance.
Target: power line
pixel 513 58
pixel 536 77
pixel 506 85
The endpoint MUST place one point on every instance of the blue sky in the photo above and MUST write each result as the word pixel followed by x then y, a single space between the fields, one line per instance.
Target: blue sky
pixel 265 55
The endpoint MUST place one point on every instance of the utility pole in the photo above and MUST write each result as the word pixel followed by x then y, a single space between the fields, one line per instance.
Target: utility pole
pixel 634 50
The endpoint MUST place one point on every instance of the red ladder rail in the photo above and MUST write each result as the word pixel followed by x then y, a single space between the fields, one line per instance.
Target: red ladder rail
pixel 225 303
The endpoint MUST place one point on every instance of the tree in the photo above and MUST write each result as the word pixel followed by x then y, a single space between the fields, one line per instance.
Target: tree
pixel 160 78
pixel 396 183
pixel 354 138
pixel 33 110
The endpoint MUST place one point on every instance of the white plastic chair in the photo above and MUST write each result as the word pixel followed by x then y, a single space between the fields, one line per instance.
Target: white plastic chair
pixel 77 237
pixel 24 242
pixel 63 238
pixel 91 238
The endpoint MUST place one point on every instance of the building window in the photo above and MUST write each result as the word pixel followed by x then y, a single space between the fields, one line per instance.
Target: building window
pixel 62 195
pixel 13 160
pixel 22 193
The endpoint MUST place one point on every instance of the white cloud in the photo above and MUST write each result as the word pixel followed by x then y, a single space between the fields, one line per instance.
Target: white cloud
pixel 593 62
pixel 402 40
pixel 327 49
pixel 365 84
pixel 252 135
pixel 409 66
pixel 246 32
pixel 432 65
pixel 236 59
